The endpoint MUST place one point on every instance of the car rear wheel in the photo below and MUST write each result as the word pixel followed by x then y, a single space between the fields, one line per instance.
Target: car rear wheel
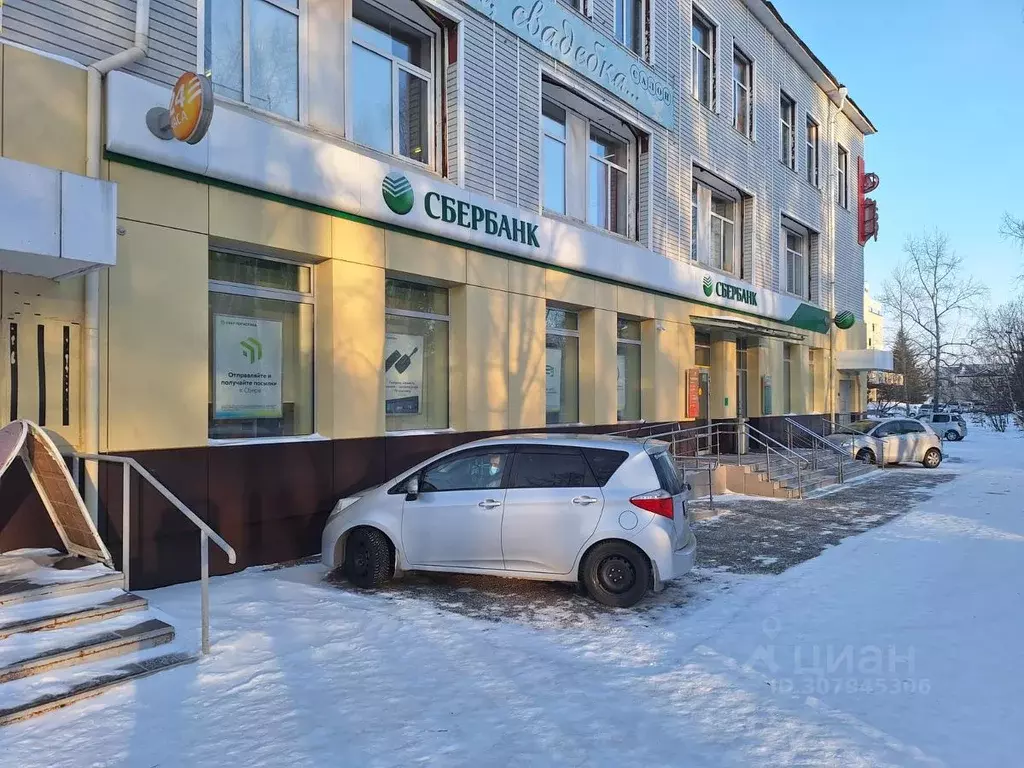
pixel 615 573
pixel 952 435
pixel 369 561
pixel 932 458
pixel 866 455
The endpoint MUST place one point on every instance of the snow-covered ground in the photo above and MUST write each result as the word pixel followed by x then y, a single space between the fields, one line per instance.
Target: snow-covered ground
pixel 897 646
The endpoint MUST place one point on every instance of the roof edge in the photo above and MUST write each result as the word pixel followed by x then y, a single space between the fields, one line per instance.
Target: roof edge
pixel 769 15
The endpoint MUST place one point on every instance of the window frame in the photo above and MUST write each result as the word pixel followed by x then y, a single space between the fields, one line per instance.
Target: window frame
pixel 638 343
pixel 716 186
pixel 787 378
pixel 610 168
pixel 804 254
pixel 739 54
pixel 274 294
pixel 842 176
pixel 416 315
pixel 697 16
pixel 788 159
pixel 433 79
pixel 812 151
pixel 643 23
pixel 302 92
pixel 567 332
pixel 521 449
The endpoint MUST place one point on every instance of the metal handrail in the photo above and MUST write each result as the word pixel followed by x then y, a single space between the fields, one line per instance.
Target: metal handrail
pixel 766 437
pixel 206 533
pixel 818 438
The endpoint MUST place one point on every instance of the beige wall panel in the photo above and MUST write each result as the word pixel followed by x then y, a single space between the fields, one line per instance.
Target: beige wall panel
pixel 526 361
pixel 568 289
pixel 268 224
pixel 486 271
pixel 723 376
pixel 661 373
pixel 357 242
pixel 159 198
pixel 801 373
pixel 358 350
pixel 673 310
pixel 526 278
pixel 606 295
pixel 157 340
pixel 754 372
pixel 421 257
pixel 323 285
pixel 598 348
pixel 326 65
pixel 479 359
pixel 635 303
pixel 43 111
pixel 771 363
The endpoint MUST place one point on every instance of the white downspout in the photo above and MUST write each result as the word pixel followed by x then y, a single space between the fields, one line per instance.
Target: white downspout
pixel 833 193
pixel 93 155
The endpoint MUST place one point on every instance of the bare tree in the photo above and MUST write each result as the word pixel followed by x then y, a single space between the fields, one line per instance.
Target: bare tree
pixel 1012 228
pixel 998 374
pixel 928 293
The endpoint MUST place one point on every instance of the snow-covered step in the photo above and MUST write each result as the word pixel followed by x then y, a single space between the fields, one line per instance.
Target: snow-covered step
pixel 38 694
pixel 68 611
pixel 109 641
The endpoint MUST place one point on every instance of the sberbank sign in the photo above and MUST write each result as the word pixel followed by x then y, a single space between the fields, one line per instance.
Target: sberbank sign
pixel 399 196
pixel 729 292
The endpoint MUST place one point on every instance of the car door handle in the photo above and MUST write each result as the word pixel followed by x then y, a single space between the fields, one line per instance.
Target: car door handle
pixel 489 504
pixel 584 500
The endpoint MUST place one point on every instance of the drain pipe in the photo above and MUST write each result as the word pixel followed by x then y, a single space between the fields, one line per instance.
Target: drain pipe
pixel 93 154
pixel 833 192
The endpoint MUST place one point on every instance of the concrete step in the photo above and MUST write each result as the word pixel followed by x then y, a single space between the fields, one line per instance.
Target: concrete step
pixel 18 590
pixel 21 700
pixel 57 613
pixel 63 647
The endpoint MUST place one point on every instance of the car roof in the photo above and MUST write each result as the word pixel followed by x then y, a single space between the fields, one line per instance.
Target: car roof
pixel 608 442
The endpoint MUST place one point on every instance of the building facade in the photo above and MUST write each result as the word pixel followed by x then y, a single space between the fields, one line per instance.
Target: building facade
pixel 413 223
pixel 874 322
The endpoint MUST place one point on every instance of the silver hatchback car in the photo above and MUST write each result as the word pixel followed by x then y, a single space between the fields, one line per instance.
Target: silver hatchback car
pixel 607 512
pixel 895 441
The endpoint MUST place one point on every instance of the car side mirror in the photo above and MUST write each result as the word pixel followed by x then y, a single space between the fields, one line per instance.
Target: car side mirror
pixel 412 488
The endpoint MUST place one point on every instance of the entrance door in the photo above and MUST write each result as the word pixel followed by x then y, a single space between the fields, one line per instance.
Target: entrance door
pixel 844 396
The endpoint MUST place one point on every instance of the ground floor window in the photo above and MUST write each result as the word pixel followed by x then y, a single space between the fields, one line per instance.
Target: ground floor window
pixel 741 377
pixel 702 349
pixel 415 356
pixel 787 378
pixel 261 347
pixel 562 367
pixel 627 363
pixel 812 378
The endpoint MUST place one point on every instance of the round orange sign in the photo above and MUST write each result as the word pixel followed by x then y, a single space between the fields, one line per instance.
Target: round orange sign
pixel 191 107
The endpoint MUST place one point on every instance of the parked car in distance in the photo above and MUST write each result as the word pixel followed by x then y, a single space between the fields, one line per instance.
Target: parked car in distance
pixel 896 441
pixel 607 512
pixel 951 426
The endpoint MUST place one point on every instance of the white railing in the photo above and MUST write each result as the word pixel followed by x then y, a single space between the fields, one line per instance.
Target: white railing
pixel 206 533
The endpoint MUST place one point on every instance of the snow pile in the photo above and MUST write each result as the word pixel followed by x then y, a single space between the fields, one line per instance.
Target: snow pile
pixel 898 646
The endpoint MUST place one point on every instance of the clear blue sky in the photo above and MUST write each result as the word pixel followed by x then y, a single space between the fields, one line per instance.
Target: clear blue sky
pixel 942 82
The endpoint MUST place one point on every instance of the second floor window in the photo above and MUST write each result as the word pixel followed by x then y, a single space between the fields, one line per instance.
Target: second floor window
pixel 553 152
pixel 742 103
pixel 813 162
pixel 703 64
pixel 607 186
pixel 251 52
pixel 787 131
pixel 630 20
pixel 717 224
pixel 796 260
pixel 842 180
pixel 392 84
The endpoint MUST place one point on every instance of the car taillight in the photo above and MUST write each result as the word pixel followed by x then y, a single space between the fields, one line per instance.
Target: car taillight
pixel 658 502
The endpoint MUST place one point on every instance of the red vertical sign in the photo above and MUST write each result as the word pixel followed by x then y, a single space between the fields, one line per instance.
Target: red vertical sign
pixel 692 393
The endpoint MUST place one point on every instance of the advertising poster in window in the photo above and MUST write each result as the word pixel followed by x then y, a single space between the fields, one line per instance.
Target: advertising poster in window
pixel 620 383
pixel 553 380
pixel 247 364
pixel 403 374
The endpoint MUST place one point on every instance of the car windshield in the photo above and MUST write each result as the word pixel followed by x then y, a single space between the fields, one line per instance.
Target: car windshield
pixel 857 427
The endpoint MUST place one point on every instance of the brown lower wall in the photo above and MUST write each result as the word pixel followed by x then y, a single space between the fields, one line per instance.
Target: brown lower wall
pixel 269 501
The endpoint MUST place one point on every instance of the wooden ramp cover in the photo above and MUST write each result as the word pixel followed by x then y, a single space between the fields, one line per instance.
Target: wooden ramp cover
pixel 56 488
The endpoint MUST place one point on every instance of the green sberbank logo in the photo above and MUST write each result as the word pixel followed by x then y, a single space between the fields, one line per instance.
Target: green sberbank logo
pixel 252 349
pixel 845 320
pixel 397 192
pixel 730 292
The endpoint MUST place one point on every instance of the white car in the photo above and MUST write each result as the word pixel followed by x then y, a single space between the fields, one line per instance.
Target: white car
pixel 896 441
pixel 951 426
pixel 607 512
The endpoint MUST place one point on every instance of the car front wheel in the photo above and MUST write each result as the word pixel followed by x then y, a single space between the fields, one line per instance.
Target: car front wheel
pixel 369 561
pixel 866 455
pixel 932 458
pixel 952 435
pixel 616 574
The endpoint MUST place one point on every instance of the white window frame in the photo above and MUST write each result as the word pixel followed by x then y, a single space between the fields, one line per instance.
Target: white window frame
pixel 608 187
pixel 704 214
pixel 735 233
pixel 787 378
pixel 814 166
pixel 699 17
pixel 842 176
pixel 804 255
pixel 565 153
pixel 300 71
pixel 579 357
pixel 739 53
pixel 636 343
pixel 396 65
pixel 577 159
pixel 787 155
pixel 581 7
pixel 643 22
